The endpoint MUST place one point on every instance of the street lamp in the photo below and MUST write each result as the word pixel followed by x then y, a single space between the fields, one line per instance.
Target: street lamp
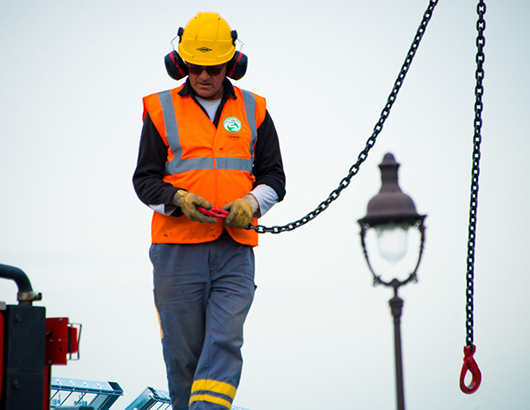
pixel 391 213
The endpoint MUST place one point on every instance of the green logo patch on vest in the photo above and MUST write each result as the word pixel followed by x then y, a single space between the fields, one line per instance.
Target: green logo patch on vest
pixel 232 124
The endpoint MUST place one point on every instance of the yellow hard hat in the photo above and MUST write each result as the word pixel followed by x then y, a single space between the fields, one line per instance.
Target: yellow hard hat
pixel 207 40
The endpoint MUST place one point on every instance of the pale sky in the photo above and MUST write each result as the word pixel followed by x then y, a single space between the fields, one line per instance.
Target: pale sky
pixel 319 335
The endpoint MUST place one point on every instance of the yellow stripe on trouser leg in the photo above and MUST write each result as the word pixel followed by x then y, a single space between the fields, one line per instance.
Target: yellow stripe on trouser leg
pixel 205 386
pixel 160 324
pixel 215 387
pixel 211 399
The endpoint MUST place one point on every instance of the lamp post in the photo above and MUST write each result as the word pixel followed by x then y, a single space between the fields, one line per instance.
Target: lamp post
pixel 391 213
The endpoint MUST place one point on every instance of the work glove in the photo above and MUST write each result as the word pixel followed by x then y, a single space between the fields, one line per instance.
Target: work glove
pixel 189 202
pixel 241 211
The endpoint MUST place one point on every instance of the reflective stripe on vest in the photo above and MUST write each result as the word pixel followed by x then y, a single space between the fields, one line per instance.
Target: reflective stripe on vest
pixel 177 164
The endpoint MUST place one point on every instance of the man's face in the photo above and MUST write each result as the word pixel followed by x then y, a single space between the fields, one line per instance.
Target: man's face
pixel 207 81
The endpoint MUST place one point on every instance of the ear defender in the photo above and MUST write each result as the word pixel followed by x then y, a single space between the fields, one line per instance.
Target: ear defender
pixel 175 66
pixel 237 66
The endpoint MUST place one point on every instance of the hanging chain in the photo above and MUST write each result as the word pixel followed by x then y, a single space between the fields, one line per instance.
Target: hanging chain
pixel 370 142
pixel 479 92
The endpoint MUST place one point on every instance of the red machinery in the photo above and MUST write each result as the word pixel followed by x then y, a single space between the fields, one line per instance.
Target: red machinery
pixel 29 345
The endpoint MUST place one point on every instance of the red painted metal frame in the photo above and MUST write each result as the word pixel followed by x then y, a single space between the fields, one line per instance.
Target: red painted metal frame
pixel 1 351
pixel 47 387
pixel 56 340
pixel 62 339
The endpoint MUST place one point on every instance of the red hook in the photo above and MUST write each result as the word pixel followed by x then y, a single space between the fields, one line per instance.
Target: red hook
pixel 470 365
pixel 214 212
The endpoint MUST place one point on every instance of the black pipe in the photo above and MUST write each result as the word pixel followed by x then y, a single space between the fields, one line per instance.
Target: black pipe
pixel 25 295
pixel 18 275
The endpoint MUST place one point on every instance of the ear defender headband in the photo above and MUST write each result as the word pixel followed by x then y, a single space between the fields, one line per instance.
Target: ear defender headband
pixel 177 68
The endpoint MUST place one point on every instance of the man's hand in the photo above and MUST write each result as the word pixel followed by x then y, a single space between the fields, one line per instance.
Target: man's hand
pixel 241 211
pixel 189 202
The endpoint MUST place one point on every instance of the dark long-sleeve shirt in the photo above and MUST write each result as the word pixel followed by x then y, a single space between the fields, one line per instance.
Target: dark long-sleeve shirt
pixel 152 157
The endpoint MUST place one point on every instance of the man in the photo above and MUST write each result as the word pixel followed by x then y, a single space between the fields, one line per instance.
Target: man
pixel 206 144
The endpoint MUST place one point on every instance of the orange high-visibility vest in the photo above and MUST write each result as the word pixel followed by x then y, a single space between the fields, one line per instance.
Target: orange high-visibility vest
pixel 215 163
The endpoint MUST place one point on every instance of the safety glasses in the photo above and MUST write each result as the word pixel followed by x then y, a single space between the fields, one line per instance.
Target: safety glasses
pixel 212 70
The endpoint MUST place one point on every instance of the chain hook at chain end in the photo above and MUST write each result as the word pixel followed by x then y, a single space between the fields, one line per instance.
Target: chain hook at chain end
pixel 470 365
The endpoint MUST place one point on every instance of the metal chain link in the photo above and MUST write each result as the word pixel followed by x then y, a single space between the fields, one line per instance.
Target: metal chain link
pixel 370 142
pixel 477 139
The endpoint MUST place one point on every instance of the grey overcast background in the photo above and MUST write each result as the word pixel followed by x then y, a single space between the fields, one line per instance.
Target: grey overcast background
pixel 319 336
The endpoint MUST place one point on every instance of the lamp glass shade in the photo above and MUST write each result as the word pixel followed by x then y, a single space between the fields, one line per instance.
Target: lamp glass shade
pixel 392 240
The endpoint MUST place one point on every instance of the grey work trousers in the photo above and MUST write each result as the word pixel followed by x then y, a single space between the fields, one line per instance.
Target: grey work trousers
pixel 203 293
